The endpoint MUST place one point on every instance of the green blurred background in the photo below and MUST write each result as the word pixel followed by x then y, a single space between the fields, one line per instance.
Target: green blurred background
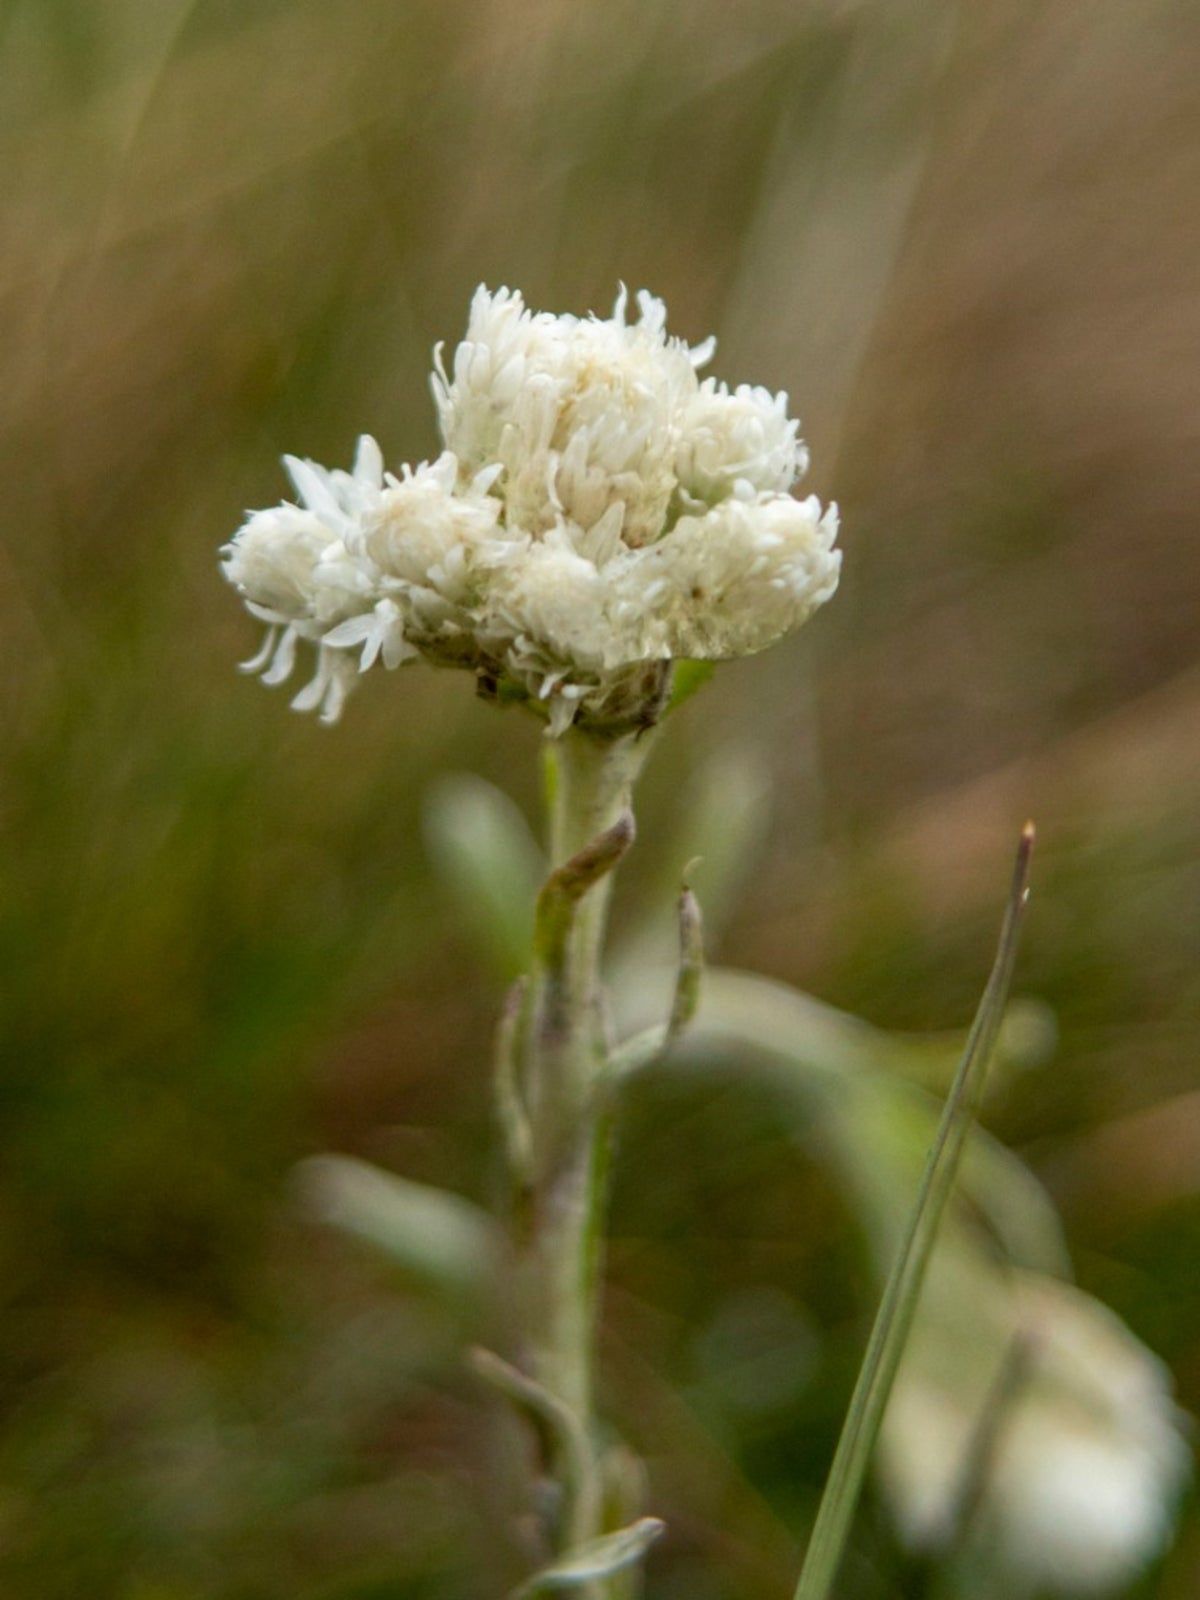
pixel 964 239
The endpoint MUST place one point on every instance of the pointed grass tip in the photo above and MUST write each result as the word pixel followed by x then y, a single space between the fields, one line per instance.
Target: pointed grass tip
pixel 1024 854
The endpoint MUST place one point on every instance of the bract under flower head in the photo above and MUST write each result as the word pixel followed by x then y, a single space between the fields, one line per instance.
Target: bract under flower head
pixel 598 512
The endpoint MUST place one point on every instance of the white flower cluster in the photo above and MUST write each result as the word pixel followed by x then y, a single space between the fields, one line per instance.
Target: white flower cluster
pixel 597 513
pixel 1069 1417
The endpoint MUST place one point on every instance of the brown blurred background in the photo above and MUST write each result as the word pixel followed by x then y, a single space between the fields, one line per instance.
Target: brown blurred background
pixel 964 238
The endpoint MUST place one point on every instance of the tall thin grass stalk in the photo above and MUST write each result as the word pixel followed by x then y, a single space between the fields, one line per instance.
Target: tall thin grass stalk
pixel 898 1306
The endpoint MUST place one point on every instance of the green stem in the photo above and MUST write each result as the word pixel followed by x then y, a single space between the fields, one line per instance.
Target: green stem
pixel 561 1224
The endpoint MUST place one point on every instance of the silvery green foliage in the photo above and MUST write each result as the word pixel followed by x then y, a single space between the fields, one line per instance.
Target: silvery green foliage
pixel 600 1558
pixel 598 513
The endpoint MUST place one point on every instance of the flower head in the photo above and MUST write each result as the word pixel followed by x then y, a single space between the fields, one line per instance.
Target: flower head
pixel 597 513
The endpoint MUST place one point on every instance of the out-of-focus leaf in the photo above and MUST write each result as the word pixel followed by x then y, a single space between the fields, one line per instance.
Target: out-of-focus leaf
pixel 881 1135
pixel 438 1240
pixel 721 827
pixel 599 1558
pixel 484 849
pixel 1027 1040
pixel 827 1063
pixel 725 827
pixel 780 1016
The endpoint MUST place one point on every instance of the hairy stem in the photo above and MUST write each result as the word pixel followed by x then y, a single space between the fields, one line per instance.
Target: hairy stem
pixel 560 1214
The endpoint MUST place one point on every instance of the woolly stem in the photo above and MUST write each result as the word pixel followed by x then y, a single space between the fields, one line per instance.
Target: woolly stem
pixel 559 1224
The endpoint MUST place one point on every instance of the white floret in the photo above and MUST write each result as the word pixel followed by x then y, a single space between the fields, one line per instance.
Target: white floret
pixel 326 692
pixel 582 413
pixel 292 567
pixel 420 531
pixel 739 442
pixel 735 580
pixel 272 559
pixel 552 611
pixel 290 562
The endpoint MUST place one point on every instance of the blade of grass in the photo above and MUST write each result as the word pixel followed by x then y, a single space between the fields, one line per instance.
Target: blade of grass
pixel 894 1318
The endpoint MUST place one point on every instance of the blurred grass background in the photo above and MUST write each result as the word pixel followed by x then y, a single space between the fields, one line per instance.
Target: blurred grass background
pixel 964 239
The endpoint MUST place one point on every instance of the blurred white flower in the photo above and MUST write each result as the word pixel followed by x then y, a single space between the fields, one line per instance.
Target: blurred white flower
pixel 597 513
pixel 1079 1449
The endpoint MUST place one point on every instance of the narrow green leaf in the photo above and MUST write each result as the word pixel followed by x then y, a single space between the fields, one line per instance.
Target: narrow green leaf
pixel 691 964
pixel 857 1080
pixel 894 1319
pixel 567 885
pixel 600 1558
pixel 511 1111
pixel 556 1423
pixel 436 1238
pixel 640 1051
